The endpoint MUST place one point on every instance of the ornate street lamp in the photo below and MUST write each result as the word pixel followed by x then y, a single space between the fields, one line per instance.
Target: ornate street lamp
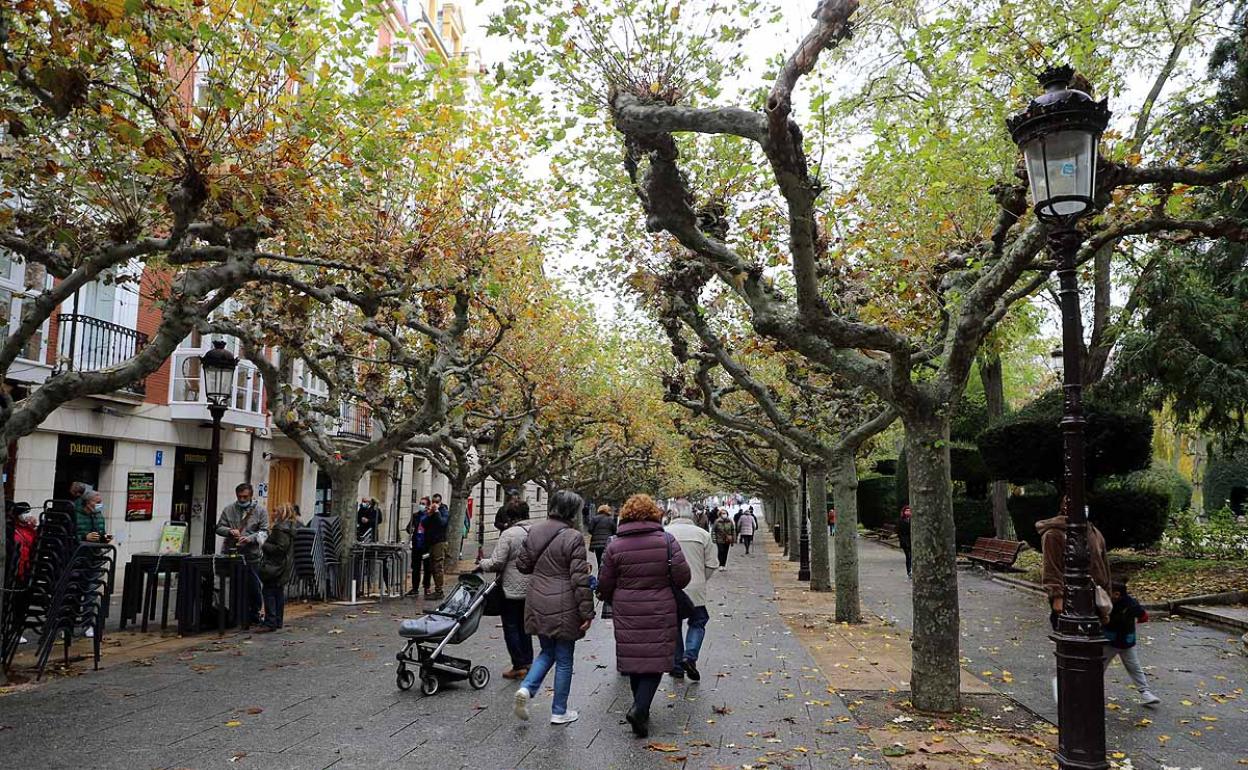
pixel 217 368
pixel 1059 133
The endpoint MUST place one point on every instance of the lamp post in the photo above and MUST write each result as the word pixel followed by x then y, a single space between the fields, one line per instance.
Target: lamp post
pixel 803 557
pixel 1058 134
pixel 217 366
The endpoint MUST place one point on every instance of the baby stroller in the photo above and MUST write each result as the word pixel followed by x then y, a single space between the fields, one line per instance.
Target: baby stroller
pixel 452 622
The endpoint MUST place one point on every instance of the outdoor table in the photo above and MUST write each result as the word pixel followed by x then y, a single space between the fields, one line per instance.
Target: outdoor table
pixel 194 573
pixel 141 583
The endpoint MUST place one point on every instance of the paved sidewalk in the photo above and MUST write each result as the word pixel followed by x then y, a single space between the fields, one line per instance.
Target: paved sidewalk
pixel 1197 670
pixel 322 694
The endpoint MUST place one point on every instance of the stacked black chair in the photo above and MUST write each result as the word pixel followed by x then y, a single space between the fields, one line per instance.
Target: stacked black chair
pixel 327 552
pixel 79 601
pixel 54 549
pixel 303 577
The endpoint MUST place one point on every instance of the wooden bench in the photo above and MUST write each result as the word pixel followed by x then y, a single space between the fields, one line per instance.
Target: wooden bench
pixel 991 552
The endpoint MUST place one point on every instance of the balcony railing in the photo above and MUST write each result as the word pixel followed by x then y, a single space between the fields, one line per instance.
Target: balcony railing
pixel 87 344
pixel 356 422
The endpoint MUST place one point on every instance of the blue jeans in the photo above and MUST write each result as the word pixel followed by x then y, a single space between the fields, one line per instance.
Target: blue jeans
pixel 693 640
pixel 557 653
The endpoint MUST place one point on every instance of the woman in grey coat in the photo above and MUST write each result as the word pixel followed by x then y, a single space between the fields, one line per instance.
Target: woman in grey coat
pixel 515 585
pixel 559 605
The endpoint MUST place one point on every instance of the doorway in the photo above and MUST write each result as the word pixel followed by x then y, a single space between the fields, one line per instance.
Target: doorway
pixel 79 458
pixel 1239 500
pixel 283 482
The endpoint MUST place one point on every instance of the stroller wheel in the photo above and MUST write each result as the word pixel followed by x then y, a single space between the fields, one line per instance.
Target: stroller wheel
pixel 429 684
pixel 405 679
pixel 479 677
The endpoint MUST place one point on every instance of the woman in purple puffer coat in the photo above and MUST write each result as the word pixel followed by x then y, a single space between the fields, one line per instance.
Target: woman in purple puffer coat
pixel 635 578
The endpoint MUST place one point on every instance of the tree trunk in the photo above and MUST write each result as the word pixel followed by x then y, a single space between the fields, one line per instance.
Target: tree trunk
pixel 936 670
pixel 455 527
pixel 795 525
pixel 845 494
pixel 4 564
pixel 782 518
pixel 993 378
pixel 817 495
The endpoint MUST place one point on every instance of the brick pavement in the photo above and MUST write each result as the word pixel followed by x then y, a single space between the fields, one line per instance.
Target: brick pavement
pixel 321 694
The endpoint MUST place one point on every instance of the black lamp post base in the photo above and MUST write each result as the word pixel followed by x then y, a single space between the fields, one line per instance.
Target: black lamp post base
pixel 1081 697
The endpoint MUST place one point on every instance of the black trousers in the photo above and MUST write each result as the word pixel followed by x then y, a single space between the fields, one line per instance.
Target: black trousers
pixel 644 687
pixel 747 541
pixel 723 553
pixel 598 556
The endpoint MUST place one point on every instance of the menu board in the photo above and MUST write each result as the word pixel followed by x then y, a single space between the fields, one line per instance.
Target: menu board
pixel 140 491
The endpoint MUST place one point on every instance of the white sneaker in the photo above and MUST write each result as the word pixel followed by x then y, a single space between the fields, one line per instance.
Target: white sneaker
pixel 90 634
pixel 1148 699
pixel 24 640
pixel 564 718
pixel 522 703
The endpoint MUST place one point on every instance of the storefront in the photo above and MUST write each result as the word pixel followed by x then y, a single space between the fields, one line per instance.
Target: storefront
pixel 80 458
pixel 190 483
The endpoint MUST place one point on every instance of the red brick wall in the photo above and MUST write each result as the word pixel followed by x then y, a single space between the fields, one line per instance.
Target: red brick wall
pixel 152 288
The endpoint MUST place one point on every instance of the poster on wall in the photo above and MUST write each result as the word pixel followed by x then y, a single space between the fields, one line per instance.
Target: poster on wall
pixel 140 490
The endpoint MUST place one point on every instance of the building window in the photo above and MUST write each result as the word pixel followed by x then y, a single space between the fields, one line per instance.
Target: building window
pixel 185 385
pixel 498 492
pixel 20 281
pixel 539 494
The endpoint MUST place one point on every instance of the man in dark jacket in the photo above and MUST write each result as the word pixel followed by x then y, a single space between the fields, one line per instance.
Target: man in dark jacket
pixel 514 509
pixel 435 541
pixel 368 521
pixel 903 536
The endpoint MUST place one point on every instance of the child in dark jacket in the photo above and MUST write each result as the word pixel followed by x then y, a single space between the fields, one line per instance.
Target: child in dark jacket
pixel 1120 635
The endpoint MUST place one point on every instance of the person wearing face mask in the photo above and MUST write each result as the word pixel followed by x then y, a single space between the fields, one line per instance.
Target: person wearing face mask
pixel 90 519
pixel 245 526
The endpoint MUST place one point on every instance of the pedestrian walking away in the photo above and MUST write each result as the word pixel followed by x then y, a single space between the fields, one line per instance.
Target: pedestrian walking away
pixel 700 555
pixel 903 536
pixel 601 528
pixel 559 605
pixel 642 569
pixel 1120 639
pixel 724 534
pixel 832 521
pixel 747 525
pixel 277 562
pixel 506 560
pixel 245 526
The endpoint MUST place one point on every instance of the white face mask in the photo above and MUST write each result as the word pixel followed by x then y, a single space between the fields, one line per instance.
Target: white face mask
pixel 30 519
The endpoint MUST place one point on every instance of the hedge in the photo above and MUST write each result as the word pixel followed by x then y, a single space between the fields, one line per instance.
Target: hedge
pixel 1226 471
pixel 1160 478
pixel 1027 446
pixel 877 501
pixel 1128 517
pixel 973 518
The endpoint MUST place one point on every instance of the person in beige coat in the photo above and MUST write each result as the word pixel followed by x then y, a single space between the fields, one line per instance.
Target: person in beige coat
pixel 559 604
pixel 515 585
pixel 700 553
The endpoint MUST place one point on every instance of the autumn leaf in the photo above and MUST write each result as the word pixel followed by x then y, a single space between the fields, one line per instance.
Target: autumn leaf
pixel 664 747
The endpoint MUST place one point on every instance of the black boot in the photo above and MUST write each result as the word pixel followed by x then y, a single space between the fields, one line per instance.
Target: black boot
pixel 641 724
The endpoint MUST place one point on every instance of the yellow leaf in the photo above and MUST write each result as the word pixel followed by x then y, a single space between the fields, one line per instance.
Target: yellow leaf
pixel 233 723
pixel 1118 755
pixel 1112 706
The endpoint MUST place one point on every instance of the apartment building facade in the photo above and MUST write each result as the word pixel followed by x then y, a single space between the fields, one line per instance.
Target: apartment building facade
pixel 146 447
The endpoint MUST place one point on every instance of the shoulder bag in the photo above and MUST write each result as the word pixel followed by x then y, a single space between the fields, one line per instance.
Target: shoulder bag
pixel 684 605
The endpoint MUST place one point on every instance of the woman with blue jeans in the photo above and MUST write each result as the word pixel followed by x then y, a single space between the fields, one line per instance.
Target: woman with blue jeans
pixel 559 604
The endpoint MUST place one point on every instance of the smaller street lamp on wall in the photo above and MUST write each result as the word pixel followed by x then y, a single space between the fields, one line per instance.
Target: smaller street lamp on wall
pixel 217 369
pixel 1059 134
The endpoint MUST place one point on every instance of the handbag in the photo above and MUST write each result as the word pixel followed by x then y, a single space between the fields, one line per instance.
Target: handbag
pixel 495 600
pixel 684 605
pixel 1104 604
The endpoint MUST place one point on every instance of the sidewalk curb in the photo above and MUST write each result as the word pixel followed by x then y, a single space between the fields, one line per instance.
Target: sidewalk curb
pixel 1212 618
pixel 1175 607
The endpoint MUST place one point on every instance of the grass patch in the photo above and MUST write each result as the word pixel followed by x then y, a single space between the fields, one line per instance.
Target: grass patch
pixel 1157 577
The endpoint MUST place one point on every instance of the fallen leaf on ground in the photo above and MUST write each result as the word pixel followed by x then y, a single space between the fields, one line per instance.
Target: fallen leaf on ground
pixel 233 723
pixel 664 747
pixel 254 710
